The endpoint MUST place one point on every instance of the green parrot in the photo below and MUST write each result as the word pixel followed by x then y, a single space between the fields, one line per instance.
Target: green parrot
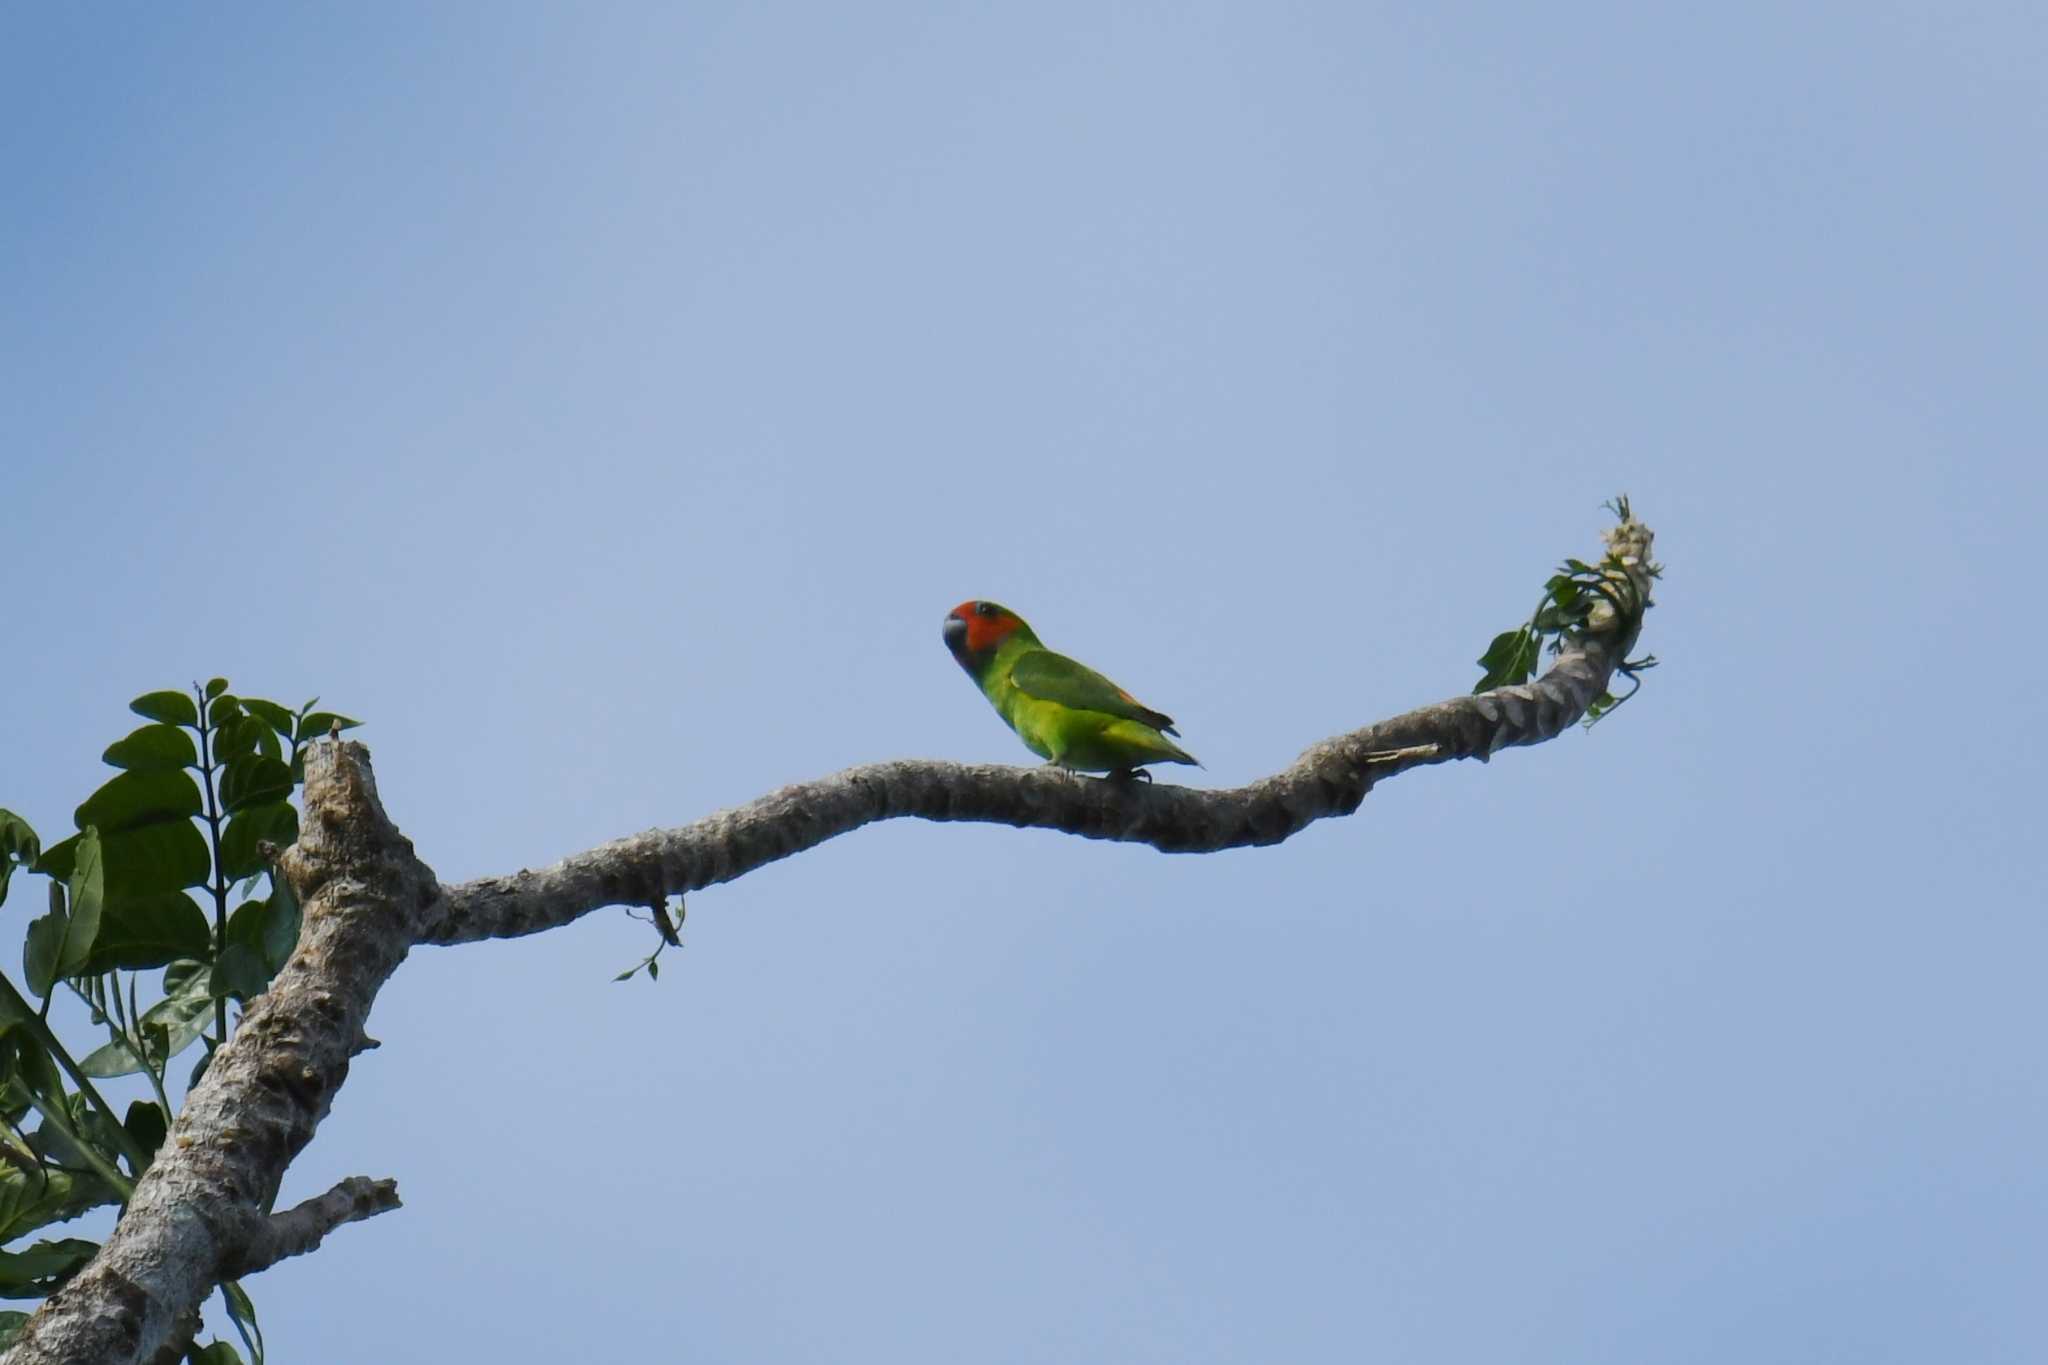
pixel 1063 711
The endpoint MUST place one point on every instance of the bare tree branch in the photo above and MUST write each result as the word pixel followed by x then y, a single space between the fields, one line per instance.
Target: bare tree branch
pixel 1329 779
pixel 302 1228
pixel 199 1214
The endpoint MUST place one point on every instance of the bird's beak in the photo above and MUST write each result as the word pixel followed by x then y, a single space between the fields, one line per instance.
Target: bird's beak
pixel 955 631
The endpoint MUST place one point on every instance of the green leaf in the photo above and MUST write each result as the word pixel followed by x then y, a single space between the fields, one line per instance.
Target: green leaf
pixel 111 1058
pixel 156 861
pixel 93 1126
pixel 153 746
pixel 1510 659
pixel 18 843
pixel 42 1268
pixel 134 799
pixel 147 1124
pixel 317 724
pixel 149 931
pixel 273 821
pixel 280 925
pixel 173 707
pixel 153 859
pixel 215 687
pixel 17 840
pixel 268 928
pixel 273 715
pixel 169 1026
pixel 239 973
pixel 1505 647
pixel 245 925
pixel 254 780
pixel 187 977
pixel 243 1312
pixel 238 737
pixel 88 898
pixel 11 1323
pixel 219 1353
pixel 33 1199
pixel 31 1065
pixel 55 861
pixel 42 950
pixel 245 968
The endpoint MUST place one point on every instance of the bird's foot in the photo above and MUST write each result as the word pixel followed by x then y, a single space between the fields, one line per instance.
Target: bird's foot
pixel 1127 776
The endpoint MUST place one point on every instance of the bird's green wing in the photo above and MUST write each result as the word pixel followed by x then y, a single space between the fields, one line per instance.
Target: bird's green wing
pixel 1055 677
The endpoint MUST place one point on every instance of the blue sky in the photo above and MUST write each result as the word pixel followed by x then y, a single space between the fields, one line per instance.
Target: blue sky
pixel 607 404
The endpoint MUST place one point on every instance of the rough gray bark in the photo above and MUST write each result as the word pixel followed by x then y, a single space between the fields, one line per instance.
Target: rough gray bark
pixel 1329 779
pixel 304 1226
pixel 200 1213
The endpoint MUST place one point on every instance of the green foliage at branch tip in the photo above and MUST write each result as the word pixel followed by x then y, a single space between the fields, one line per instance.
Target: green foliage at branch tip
pixel 669 937
pixel 1580 601
pixel 200 789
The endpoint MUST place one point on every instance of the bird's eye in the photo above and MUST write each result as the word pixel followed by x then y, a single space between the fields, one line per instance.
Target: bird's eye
pixel 984 609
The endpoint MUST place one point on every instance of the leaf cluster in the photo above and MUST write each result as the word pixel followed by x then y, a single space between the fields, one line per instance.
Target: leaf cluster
pixel 1578 600
pixel 201 800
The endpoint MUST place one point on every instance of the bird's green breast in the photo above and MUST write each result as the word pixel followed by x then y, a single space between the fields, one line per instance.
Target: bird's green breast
pixel 1088 741
pixel 1072 736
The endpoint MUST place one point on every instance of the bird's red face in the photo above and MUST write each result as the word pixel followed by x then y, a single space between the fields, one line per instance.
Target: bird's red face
pixel 973 630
